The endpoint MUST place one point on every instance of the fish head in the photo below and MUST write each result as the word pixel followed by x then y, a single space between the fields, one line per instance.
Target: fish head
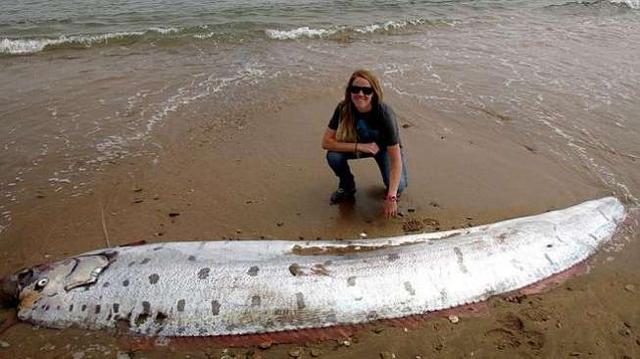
pixel 41 284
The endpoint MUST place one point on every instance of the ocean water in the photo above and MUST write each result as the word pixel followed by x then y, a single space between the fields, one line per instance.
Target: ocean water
pixel 89 83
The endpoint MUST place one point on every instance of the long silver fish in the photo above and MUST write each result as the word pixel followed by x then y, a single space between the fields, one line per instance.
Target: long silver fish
pixel 242 287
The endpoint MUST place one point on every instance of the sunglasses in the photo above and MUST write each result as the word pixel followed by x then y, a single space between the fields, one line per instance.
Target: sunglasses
pixel 356 89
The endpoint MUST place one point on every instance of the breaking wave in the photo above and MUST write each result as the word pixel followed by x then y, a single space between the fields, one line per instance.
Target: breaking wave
pixel 25 46
pixel 306 32
pixel 30 46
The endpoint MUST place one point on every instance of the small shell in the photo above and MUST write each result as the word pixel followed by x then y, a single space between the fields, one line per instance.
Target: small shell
pixel 454 319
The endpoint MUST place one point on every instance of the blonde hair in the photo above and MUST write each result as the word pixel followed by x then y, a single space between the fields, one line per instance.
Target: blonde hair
pixel 346 131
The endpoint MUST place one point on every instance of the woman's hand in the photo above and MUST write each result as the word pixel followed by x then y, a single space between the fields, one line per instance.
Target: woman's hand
pixel 371 148
pixel 390 207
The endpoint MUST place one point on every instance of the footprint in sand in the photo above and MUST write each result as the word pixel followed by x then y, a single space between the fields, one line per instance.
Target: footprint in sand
pixel 513 334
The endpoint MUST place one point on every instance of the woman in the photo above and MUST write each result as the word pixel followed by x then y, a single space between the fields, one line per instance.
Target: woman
pixel 363 126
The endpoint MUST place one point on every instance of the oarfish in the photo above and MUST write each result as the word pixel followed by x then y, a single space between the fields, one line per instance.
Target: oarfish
pixel 217 288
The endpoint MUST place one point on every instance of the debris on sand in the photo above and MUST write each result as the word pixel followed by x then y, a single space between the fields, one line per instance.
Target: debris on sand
pixel 412 225
pixel 454 319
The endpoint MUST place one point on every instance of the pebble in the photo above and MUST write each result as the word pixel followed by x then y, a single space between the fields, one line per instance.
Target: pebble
pixel 378 330
pixel 4 345
pixel 454 319
pixel 280 224
pixel 346 343
pixel 315 352
pixel 387 355
pixel 363 235
pixel 630 288
pixel 295 353
pixel 48 347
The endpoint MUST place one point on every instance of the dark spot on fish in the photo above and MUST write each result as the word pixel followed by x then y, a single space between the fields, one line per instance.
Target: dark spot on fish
pixel 146 307
pixel 392 257
pixel 157 248
pixel 58 308
pixel 141 319
pixel 458 252
pixel 253 271
pixel 332 318
pixel 358 299
pixel 300 301
pixel 255 301
pixel 351 281
pixel 98 307
pixel 46 308
pixel 295 269
pixel 328 262
pixel 204 273
pixel 549 259
pixel 444 296
pixel 549 245
pixel 125 283
pixel 409 288
pixel 153 279
pixel 215 307
pixel 145 261
pixel 84 307
pixel 180 305
pixel 131 264
pixel 160 318
pixel 192 258
pixel 71 308
pixel 116 307
pixel 106 285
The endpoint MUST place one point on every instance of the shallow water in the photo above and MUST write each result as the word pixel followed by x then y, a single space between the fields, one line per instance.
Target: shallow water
pixel 86 85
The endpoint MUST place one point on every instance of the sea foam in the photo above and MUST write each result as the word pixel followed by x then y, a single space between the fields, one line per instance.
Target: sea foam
pixel 634 4
pixel 299 33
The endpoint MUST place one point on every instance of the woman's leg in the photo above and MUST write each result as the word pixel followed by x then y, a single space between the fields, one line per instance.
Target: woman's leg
pixel 384 164
pixel 338 163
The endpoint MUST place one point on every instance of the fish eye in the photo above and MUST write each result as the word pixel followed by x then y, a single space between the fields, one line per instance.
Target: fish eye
pixel 41 283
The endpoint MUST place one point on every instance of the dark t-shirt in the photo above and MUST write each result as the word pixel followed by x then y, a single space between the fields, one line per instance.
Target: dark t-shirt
pixel 379 125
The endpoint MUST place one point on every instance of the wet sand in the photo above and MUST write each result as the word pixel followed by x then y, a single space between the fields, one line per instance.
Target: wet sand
pixel 262 174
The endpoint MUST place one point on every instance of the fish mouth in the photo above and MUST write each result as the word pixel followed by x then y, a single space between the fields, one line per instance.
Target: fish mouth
pixel 9 291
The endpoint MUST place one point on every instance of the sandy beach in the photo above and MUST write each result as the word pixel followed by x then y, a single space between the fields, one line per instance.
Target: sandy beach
pixel 181 121
pixel 262 175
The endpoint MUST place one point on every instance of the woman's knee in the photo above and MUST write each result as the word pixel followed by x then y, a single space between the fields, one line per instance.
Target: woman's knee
pixel 336 159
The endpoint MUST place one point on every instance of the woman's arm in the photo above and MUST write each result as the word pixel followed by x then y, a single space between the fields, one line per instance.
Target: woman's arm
pixel 330 143
pixel 390 202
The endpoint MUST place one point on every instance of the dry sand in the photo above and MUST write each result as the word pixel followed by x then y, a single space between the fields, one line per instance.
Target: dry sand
pixel 262 174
